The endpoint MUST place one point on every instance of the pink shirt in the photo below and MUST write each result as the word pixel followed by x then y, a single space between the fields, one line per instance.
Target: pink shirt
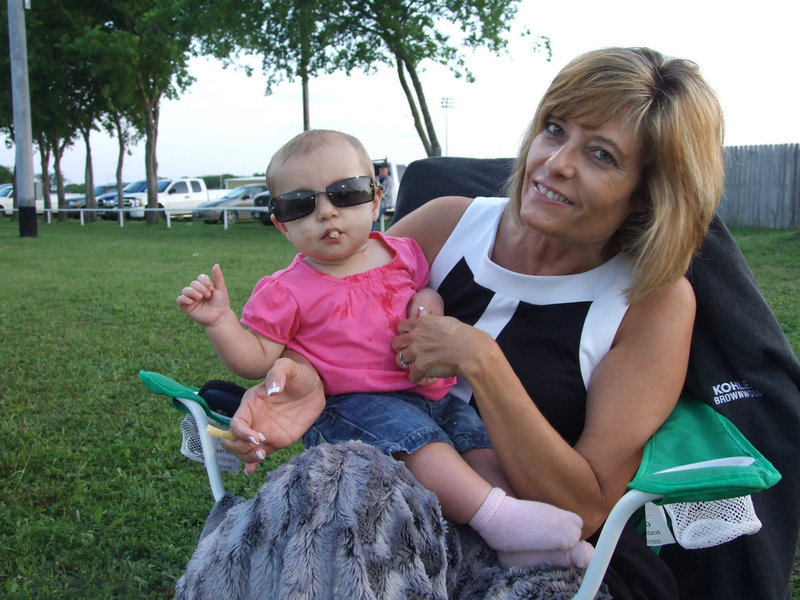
pixel 345 326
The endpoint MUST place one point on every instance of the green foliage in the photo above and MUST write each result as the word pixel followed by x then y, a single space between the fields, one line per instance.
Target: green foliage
pixel 216 181
pixel 6 174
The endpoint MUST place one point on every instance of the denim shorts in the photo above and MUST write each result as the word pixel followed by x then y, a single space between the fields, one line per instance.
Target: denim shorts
pixel 398 422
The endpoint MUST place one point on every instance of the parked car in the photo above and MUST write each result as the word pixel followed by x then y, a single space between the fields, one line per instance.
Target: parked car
pixel 261 205
pixel 239 198
pixel 7 199
pixel 178 196
pixel 107 203
pixel 80 201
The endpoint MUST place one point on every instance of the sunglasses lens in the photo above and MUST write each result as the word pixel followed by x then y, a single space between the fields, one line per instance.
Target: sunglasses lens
pixel 301 203
pixel 352 191
pixel 293 205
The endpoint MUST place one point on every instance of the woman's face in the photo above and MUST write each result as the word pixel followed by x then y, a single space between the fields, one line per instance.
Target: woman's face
pixel 580 178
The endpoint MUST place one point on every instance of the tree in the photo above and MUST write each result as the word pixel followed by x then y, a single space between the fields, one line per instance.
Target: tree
pixel 412 32
pixel 302 39
pixel 158 36
pixel 293 38
pixel 53 103
pixel 110 60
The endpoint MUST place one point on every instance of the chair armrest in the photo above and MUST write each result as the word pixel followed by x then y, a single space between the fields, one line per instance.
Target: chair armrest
pixel 697 455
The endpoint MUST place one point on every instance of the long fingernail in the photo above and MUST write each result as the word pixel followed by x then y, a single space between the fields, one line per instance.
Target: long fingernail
pixel 261 435
pixel 253 440
pixel 274 388
pixel 260 455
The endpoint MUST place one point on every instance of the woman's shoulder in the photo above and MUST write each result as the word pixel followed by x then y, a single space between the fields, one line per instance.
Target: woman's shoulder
pixel 670 308
pixel 432 223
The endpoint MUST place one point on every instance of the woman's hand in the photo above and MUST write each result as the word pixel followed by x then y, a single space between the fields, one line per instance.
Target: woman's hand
pixel 277 412
pixel 437 347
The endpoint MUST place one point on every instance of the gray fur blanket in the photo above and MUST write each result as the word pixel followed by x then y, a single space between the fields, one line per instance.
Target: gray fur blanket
pixel 345 521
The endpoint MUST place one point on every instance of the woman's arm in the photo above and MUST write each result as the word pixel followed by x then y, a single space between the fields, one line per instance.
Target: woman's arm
pixel 631 393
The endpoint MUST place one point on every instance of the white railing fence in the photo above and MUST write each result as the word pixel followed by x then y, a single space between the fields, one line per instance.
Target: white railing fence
pixel 167 212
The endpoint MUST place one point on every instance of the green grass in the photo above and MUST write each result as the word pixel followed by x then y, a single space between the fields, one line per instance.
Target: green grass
pixel 95 499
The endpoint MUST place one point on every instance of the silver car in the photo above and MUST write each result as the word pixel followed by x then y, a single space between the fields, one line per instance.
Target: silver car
pixel 237 202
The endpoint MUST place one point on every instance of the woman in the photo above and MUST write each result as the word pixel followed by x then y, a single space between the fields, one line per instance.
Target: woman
pixel 570 316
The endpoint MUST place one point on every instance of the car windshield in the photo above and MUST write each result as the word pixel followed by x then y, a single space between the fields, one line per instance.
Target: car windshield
pixel 236 192
pixel 162 185
pixel 136 186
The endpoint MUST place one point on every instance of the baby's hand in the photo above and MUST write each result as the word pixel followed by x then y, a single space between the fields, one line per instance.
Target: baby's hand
pixel 205 300
pixel 425 301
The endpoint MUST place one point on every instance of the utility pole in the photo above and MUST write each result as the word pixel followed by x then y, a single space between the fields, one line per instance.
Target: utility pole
pixel 447 105
pixel 23 136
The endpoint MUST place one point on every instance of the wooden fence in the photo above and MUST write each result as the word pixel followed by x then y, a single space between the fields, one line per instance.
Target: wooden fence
pixel 762 186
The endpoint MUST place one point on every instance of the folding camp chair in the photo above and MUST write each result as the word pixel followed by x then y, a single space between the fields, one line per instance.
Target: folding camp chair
pixel 697 456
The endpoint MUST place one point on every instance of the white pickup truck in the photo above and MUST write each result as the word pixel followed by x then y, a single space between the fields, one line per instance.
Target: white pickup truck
pixel 177 196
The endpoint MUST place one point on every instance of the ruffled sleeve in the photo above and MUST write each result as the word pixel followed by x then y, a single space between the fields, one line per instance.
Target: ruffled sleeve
pixel 272 311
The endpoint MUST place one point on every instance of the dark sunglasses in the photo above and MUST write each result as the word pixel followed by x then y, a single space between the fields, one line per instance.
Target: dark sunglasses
pixel 301 203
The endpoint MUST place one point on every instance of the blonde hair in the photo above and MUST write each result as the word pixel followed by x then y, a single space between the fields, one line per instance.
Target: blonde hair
pixel 678 120
pixel 305 142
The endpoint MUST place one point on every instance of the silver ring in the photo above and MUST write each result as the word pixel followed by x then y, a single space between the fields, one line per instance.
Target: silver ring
pixel 403 362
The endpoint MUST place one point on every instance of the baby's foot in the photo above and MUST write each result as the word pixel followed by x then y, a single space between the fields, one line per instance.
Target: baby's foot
pixel 577 556
pixel 510 524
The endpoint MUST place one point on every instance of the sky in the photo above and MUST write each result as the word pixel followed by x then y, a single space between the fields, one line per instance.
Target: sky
pixel 224 123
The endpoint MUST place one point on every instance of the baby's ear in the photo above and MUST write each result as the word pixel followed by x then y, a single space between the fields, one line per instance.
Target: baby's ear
pixel 278 225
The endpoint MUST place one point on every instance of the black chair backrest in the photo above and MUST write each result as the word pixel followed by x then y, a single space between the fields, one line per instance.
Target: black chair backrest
pixel 430 178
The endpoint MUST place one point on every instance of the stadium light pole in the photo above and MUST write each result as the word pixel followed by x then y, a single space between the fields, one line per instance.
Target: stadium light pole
pixel 23 136
pixel 447 104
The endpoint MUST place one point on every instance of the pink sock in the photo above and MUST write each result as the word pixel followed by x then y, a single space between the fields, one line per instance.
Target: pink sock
pixel 577 556
pixel 509 524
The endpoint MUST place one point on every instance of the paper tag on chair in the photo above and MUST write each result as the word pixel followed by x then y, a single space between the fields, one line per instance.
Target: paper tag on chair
pixel 226 460
pixel 658 533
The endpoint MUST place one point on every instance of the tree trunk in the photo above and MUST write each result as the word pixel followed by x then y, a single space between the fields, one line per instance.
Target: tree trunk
pixel 413 106
pixel 89 177
pixel 436 148
pixel 121 156
pixel 44 159
pixel 58 154
pixel 418 105
pixel 151 164
pixel 306 29
pixel 306 110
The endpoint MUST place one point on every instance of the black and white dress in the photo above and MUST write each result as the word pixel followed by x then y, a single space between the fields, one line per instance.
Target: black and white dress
pixel 554 331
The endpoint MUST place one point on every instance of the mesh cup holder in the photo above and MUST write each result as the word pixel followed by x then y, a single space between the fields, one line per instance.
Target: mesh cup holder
pixel 192 447
pixel 707 524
